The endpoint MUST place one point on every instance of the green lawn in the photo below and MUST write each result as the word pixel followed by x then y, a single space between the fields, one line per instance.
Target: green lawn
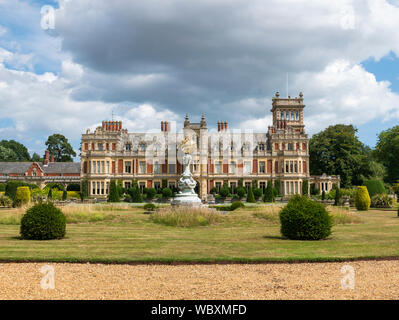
pixel 126 234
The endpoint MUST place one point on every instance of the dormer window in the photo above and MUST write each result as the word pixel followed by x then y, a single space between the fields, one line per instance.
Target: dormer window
pixel 262 147
pixel 128 147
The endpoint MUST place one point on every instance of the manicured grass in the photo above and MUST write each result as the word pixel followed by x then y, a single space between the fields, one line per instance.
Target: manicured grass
pixel 126 234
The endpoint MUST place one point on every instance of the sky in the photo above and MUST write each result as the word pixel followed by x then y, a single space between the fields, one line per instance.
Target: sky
pixel 65 66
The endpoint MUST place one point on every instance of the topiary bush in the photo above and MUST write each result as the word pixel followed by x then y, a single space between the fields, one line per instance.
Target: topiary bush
pixel 250 196
pixel 22 196
pixel 224 191
pixel 64 195
pixel 269 193
pixel 381 201
pixel 375 187
pixel 236 204
pixel 150 207
pixel 305 219
pixel 241 192
pixel 43 221
pixel 337 198
pixel 362 199
pixel 113 195
pixel 166 193
pixel 150 192
pixel 258 192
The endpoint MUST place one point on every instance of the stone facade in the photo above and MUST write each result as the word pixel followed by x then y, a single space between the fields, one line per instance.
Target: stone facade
pixel 222 156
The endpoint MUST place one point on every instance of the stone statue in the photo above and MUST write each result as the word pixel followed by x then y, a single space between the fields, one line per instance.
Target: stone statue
pixel 187 184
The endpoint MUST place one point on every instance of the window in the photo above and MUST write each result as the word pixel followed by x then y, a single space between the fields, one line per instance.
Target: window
pixel 287 167
pixel 107 187
pixel 287 116
pixel 86 146
pixel 292 115
pixel 232 167
pixel 142 167
pixel 276 146
pixel 127 185
pixel 100 146
pixel 142 147
pixel 114 146
pixel 233 186
pixel 218 186
pixel 296 167
pixel 172 185
pixel 157 167
pixel 218 167
pixel 262 166
pixel 262 147
pixel 291 166
pixel 98 188
pixel 128 147
pixel 297 115
pixel 172 168
pixel 290 146
pixel 262 185
pixel 102 166
pixel 282 115
pixel 247 167
pixel 128 167
pixel 93 188
pixel 142 186
pixel 157 185
pixel 102 187
pixel 247 185
pixel 107 171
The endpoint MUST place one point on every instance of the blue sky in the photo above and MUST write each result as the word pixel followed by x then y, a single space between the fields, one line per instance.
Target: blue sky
pixel 155 61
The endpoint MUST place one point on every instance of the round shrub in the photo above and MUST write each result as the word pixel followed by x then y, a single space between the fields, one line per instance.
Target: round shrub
pixel 43 221
pixel 241 192
pixel 236 204
pixel 150 207
pixel 166 193
pixel 22 196
pixel 151 192
pixel 362 198
pixel 258 192
pixel 224 191
pixel 305 219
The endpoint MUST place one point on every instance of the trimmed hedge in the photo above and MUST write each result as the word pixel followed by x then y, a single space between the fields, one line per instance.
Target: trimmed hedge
pixel 135 193
pixel 362 198
pixel 43 221
pixel 236 204
pixel 150 207
pixel 269 193
pixel 305 219
pixel 375 187
pixel 22 196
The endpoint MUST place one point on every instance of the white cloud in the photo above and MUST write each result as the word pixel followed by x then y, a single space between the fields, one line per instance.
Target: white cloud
pixel 346 93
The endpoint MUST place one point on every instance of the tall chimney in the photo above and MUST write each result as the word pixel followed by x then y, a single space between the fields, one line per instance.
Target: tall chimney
pixel 46 157
pixel 52 159
pixel 218 126
pixel 226 125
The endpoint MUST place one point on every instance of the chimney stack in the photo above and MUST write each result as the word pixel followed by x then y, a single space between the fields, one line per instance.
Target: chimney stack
pixel 46 157
pixel 52 159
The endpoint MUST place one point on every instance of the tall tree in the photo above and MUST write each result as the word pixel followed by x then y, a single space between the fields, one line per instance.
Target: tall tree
pixel 36 158
pixel 60 148
pixel 387 152
pixel 7 154
pixel 19 149
pixel 337 150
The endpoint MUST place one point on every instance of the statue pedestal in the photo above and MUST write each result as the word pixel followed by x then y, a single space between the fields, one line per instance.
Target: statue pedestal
pixel 186 185
pixel 190 200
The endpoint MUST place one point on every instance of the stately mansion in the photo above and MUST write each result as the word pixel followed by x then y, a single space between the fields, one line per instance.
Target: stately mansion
pixel 154 160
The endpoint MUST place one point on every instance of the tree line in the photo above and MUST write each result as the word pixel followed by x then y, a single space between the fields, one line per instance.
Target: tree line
pixel 338 151
pixel 57 144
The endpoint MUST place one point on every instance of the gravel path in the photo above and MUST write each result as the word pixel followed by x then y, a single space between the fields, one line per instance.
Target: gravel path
pixel 373 280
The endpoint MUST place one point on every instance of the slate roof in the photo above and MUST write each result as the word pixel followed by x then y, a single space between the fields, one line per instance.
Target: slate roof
pixel 62 167
pixel 54 167
pixel 14 167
